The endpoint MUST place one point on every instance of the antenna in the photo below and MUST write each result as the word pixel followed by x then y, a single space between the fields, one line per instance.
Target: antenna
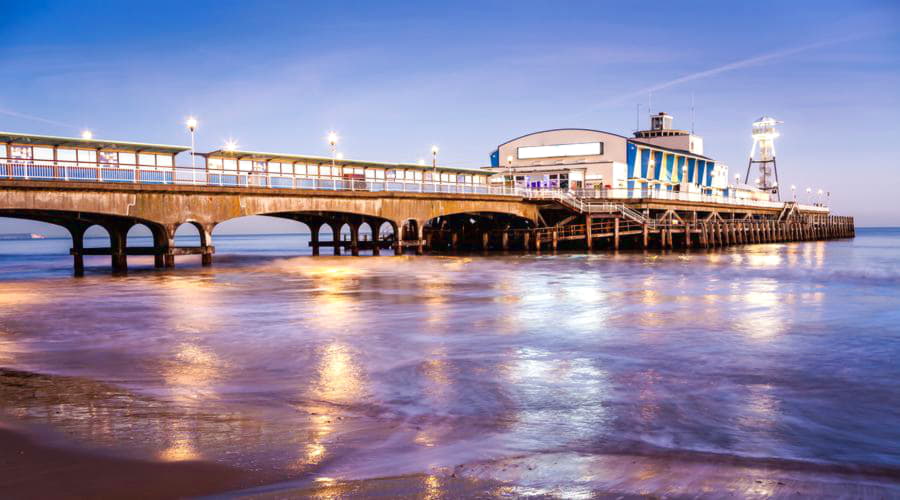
pixel 650 102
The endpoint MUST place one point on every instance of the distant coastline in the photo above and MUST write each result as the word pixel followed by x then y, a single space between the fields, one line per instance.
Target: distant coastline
pixel 22 236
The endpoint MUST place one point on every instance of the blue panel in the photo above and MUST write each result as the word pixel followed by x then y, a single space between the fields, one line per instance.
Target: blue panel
pixel 645 159
pixel 670 166
pixel 495 158
pixel 631 155
pixel 669 188
pixel 709 170
pixel 630 185
pixel 691 164
pixel 679 169
pixel 657 159
pixel 701 172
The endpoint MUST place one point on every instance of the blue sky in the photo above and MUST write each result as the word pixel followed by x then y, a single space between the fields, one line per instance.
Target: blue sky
pixel 394 77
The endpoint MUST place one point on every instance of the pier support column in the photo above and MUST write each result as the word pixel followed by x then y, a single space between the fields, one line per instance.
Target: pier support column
pixel 645 237
pixel 504 242
pixel 118 234
pixel 616 233
pixel 77 231
pixel 537 241
pixel 398 238
pixel 555 238
pixel 206 230
pixel 354 239
pixel 526 241
pixel 420 238
pixel 687 236
pixel 314 236
pixel 588 233
pixel 485 241
pixel 336 236
pixel 454 240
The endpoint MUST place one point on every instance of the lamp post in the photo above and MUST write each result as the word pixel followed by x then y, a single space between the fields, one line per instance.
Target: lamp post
pixel 819 197
pixel 512 181
pixel 794 192
pixel 332 141
pixel 192 126
pixel 808 195
pixel 434 152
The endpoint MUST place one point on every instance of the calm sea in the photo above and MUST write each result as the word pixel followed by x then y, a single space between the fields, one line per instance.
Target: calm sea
pixel 539 370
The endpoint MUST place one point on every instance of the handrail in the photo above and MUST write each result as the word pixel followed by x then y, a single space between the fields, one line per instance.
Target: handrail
pixel 600 201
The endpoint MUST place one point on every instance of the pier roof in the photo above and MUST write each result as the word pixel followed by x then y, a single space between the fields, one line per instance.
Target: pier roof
pixel 263 156
pixel 77 142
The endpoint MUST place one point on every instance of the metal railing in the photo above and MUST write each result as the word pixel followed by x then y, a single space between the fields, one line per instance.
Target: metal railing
pixel 584 201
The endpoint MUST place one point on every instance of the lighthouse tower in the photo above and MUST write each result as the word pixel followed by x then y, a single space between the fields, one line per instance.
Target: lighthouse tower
pixel 763 151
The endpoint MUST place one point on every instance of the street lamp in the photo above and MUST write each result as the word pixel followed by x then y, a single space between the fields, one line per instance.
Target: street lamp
pixel 808 195
pixel 87 134
pixel 509 160
pixel 820 196
pixel 340 156
pixel 192 126
pixel 231 145
pixel 333 140
pixel 434 152
pixel 794 192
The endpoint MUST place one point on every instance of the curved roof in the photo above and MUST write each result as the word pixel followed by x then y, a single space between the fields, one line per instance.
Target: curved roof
pixel 52 140
pixel 559 130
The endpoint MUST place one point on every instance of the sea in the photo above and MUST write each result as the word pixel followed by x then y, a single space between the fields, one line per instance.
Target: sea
pixel 757 370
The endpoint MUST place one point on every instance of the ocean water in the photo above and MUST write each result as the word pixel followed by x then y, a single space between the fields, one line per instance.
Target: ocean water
pixel 702 369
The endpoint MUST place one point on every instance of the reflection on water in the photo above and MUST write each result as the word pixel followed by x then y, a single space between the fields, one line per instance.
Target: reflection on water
pixel 355 367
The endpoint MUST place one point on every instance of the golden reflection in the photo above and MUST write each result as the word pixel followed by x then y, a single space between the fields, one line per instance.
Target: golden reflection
pixel 192 372
pixel 762 317
pixel 335 307
pixel 180 449
pixel 432 488
pixel 192 303
pixel 13 295
pixel 340 377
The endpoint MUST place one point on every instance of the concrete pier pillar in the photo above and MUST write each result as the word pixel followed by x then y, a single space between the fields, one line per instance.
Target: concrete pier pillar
pixel 555 238
pixel 314 236
pixel 117 242
pixel 454 240
pixel 398 238
pixel 77 232
pixel 588 233
pixel 526 241
pixel 616 233
pixel 687 236
pixel 645 237
pixel 537 241
pixel 504 241
pixel 420 238
pixel 336 236
pixel 206 258
pixel 485 241
pixel 354 240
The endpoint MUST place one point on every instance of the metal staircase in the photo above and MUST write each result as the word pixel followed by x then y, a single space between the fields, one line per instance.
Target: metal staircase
pixel 569 200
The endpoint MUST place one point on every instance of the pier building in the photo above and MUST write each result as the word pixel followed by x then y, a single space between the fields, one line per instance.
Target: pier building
pixel 568 188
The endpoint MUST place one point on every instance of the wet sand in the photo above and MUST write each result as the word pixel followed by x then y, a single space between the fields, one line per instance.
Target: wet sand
pixel 32 470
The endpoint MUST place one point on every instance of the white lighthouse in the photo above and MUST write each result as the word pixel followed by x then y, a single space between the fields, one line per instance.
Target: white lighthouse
pixel 763 149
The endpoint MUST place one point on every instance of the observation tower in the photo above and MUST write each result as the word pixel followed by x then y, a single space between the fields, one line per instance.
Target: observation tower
pixel 763 150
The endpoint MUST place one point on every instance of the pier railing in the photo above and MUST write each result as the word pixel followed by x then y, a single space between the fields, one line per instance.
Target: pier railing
pixel 585 201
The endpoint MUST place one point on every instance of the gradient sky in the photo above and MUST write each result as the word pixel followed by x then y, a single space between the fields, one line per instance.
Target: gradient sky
pixel 395 77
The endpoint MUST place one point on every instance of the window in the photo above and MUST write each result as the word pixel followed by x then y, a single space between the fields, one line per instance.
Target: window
pixel 229 164
pixel 124 158
pixel 87 156
pixel 66 155
pixel 312 170
pixel 109 158
pixel 144 159
pixel 391 175
pixel 214 163
pixel 20 152
pixel 164 160
pixel 3 151
pixel 42 153
pixel 428 177
pixel 245 165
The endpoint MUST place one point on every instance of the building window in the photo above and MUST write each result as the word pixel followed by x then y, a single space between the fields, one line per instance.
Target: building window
pixel 109 158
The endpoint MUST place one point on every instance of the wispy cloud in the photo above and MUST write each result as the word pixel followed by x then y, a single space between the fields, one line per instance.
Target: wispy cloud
pixel 743 63
pixel 24 116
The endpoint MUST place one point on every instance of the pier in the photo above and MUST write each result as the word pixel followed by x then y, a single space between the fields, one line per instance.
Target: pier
pixel 415 208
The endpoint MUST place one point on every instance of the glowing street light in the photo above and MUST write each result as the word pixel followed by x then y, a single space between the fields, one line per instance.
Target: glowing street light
pixel 808 195
pixel 231 145
pixel 340 156
pixel 819 198
pixel 87 134
pixel 332 141
pixel 434 152
pixel 191 124
pixel 794 192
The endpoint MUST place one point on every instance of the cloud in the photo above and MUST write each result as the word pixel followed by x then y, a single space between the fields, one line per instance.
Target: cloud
pixel 743 63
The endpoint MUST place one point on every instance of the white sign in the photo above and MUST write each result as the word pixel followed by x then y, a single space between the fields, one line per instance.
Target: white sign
pixel 557 150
